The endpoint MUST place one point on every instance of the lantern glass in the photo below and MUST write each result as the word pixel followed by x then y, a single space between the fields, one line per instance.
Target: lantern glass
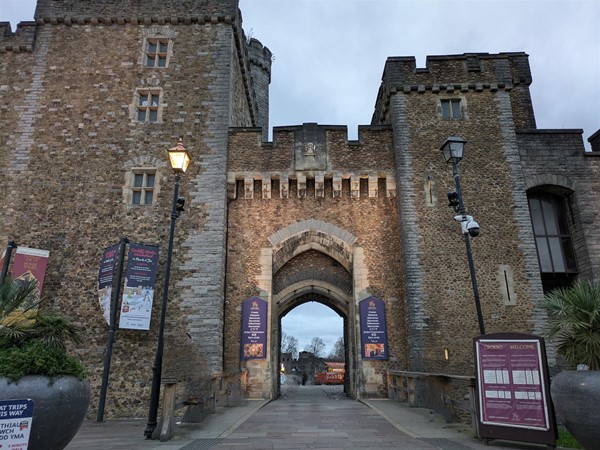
pixel 179 158
pixel 453 148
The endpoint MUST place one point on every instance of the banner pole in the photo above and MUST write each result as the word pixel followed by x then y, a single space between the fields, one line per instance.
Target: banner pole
pixel 6 262
pixel 114 303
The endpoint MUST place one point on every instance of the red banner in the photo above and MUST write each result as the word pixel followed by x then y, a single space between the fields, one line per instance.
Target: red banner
pixel 29 264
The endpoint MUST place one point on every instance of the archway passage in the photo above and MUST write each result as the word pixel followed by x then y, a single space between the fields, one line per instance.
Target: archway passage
pixel 312 276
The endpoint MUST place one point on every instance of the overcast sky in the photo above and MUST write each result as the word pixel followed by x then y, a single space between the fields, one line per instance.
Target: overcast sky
pixel 329 57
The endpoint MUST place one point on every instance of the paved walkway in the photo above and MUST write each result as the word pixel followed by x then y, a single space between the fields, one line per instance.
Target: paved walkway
pixel 305 417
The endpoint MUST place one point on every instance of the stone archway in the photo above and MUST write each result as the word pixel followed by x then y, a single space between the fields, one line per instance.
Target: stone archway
pixel 295 250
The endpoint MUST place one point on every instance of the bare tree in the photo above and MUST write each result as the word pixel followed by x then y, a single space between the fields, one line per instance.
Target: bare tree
pixel 337 354
pixel 316 347
pixel 289 344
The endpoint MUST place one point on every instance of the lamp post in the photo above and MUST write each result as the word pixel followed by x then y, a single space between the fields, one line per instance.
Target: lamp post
pixel 452 150
pixel 180 160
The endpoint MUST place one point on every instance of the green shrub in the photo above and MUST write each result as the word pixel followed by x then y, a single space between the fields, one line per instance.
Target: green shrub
pixel 36 358
pixel 33 339
pixel 574 323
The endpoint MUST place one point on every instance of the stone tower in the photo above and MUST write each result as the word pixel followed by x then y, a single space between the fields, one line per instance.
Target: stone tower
pixel 94 94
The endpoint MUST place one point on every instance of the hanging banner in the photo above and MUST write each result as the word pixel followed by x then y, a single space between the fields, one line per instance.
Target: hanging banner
pixel 16 419
pixel 105 279
pixel 254 329
pixel 29 264
pixel 373 332
pixel 138 292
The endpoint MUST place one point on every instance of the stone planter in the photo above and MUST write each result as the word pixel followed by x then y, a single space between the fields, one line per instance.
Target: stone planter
pixel 576 396
pixel 59 407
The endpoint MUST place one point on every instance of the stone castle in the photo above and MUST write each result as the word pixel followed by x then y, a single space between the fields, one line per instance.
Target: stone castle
pixel 93 93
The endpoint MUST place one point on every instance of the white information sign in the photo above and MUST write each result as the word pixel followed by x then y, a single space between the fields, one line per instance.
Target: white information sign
pixel 16 418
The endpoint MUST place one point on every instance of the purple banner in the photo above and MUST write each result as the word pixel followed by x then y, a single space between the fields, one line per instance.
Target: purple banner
pixel 105 279
pixel 138 292
pixel 373 332
pixel 254 329
pixel 511 383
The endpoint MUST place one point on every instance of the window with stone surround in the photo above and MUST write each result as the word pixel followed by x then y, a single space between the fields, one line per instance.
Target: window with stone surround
pixel 451 108
pixel 553 240
pixel 142 185
pixel 156 52
pixel 147 105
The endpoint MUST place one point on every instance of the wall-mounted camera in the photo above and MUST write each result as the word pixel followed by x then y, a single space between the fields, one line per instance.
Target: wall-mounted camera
pixel 468 225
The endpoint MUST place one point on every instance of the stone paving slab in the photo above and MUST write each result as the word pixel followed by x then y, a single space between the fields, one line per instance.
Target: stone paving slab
pixel 306 417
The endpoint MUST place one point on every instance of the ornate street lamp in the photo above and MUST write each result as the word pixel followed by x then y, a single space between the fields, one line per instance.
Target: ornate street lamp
pixel 180 160
pixel 453 152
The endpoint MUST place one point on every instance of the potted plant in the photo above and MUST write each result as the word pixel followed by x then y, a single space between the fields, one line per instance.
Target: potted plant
pixel 574 328
pixel 35 364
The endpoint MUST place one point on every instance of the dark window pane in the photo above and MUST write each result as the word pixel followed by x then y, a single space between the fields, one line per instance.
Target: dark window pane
pixel 163 47
pixel 150 180
pixel 561 216
pixel 549 217
pixel 544 255
pixel 148 198
pixel 151 47
pixel 137 196
pixel 536 217
pixel 143 100
pixel 456 109
pixel 138 180
pixel 445 108
pixel 153 115
pixel 154 100
pixel 141 115
pixel 150 61
pixel 162 61
pixel 569 255
pixel 557 255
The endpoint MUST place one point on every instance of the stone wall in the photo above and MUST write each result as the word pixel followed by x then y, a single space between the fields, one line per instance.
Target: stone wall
pixel 557 158
pixel 163 9
pixel 439 297
pixel 71 138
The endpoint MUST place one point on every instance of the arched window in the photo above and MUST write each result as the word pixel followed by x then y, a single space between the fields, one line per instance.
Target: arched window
pixel 553 240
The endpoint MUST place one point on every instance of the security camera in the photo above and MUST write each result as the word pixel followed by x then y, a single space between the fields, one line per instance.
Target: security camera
pixel 468 225
pixel 472 228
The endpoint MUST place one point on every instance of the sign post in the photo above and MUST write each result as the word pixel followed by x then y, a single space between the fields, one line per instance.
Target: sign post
pixel 513 388
pixel 109 301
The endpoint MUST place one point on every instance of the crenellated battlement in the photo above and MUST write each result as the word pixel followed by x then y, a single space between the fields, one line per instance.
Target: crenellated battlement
pixel 311 160
pixel 260 56
pixel 471 69
pixel 23 40
pixel 454 74
pixel 55 10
